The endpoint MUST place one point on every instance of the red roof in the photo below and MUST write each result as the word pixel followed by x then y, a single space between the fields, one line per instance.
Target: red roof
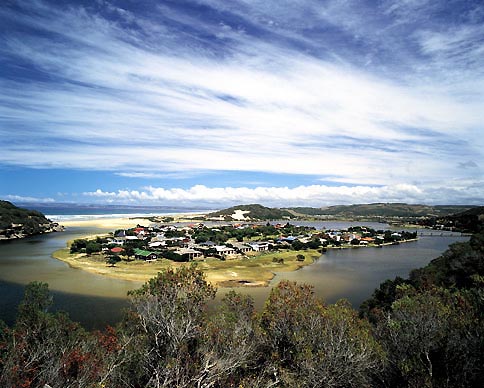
pixel 117 250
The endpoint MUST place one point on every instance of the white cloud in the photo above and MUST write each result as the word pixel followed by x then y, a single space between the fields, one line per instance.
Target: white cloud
pixel 21 198
pixel 312 195
pixel 143 107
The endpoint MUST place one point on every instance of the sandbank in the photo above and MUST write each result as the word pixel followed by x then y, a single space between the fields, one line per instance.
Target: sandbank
pixel 123 222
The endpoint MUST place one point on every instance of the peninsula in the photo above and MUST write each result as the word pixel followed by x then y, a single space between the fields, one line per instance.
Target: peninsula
pixel 232 254
pixel 16 222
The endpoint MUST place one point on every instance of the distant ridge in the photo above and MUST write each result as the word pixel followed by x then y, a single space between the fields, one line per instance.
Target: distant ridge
pixel 381 210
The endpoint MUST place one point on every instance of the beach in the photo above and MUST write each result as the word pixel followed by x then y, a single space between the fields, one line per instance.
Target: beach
pixel 123 222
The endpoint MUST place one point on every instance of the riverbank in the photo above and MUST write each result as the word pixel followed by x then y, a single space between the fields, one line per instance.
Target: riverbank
pixel 349 246
pixel 248 271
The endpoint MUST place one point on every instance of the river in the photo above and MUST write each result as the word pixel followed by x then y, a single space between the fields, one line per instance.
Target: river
pixel 96 300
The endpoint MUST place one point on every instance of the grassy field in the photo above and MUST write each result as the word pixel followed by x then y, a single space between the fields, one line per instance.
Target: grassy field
pixel 252 270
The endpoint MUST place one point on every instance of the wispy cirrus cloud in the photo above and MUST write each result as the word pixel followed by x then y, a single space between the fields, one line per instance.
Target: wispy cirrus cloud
pixel 369 97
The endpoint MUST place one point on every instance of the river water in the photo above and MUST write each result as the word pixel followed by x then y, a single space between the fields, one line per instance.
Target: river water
pixel 96 300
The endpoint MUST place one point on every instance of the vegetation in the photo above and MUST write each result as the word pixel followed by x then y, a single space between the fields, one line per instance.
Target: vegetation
pixel 255 212
pixel 467 221
pixel 432 324
pixel 425 331
pixel 22 222
pixel 382 210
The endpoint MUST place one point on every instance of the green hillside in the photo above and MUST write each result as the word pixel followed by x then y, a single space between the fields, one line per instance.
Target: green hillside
pixel 17 222
pixel 467 221
pixel 383 210
pixel 255 212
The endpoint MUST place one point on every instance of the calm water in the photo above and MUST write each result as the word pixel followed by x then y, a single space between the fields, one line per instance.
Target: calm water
pixel 95 300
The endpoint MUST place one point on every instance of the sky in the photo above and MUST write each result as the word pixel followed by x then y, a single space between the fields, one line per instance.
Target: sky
pixel 216 102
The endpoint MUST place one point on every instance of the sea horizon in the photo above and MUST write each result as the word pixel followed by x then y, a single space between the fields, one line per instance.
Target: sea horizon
pixel 59 212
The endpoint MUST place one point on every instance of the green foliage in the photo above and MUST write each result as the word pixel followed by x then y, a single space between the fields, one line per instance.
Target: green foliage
pixel 313 345
pixel 257 212
pixel 165 328
pixel 427 331
pixel 46 348
pixel 433 338
pixel 112 260
pixel 92 247
pixel 32 221
pixel 382 210
pixel 456 266
pixel 432 325
pixel 170 255
pixel 78 245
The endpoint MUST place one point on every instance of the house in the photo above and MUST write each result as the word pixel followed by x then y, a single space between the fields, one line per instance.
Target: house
pixel 224 250
pixel 259 246
pixel 121 233
pixel 189 253
pixel 141 254
pixel 242 248
pixel 119 240
pixel 208 244
pixel 288 239
pixel 157 244
pixel 140 230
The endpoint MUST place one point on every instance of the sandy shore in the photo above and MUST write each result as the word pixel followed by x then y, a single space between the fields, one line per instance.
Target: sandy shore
pixel 123 222
pixel 106 223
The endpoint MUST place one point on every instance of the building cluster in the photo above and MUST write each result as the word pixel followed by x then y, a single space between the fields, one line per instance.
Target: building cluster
pixel 155 241
pixel 184 242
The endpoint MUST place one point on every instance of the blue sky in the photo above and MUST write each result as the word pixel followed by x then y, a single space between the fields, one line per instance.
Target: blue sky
pixel 223 102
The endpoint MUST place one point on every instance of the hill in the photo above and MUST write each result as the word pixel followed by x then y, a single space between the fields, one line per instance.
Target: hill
pixel 253 212
pixel 471 220
pixel 382 210
pixel 17 222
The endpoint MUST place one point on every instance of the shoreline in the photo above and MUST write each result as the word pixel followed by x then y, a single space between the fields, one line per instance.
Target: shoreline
pixel 124 222
pixel 253 270
pixel 250 271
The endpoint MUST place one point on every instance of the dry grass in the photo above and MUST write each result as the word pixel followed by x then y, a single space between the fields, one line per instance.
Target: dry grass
pixel 255 270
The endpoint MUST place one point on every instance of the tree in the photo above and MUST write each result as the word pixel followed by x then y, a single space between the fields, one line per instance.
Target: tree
pixel 433 338
pixel 300 257
pixel 128 251
pixel 112 260
pixel 77 245
pixel 414 329
pixel 297 245
pixel 164 329
pixel 313 345
pixel 92 247
pixel 230 347
pixel 47 348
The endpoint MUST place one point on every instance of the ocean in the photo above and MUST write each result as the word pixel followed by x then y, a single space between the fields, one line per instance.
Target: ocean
pixel 59 212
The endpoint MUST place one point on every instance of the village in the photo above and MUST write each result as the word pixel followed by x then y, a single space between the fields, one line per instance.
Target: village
pixel 226 241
